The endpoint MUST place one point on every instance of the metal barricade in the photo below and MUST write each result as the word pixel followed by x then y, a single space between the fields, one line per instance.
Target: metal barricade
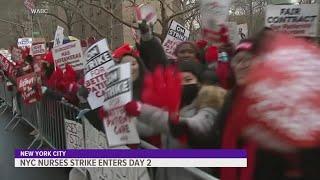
pixel 52 115
pixel 192 171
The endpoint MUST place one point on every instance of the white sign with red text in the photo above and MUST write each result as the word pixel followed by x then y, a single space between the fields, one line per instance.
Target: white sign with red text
pixel 176 34
pixel 97 73
pixel 70 53
pixel 298 20
pixel 120 128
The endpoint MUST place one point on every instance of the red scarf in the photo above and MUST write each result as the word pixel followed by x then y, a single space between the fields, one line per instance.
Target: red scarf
pixel 232 133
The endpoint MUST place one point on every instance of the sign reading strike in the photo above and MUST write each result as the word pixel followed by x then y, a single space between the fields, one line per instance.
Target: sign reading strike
pixel 176 34
pixel 74 134
pixel 29 88
pixel 120 128
pixel 38 49
pixel 97 73
pixel 70 53
pixel 298 20
pixel 24 42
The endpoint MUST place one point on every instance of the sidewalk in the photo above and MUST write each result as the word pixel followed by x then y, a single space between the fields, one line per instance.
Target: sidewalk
pixel 20 138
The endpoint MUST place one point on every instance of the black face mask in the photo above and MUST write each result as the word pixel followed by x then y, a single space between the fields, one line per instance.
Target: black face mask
pixel 189 93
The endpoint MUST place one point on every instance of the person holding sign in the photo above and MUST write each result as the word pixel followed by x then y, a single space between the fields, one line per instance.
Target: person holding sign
pixel 188 128
pixel 125 54
pixel 150 48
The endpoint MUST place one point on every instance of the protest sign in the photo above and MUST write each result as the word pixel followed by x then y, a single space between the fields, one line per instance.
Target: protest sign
pixel 233 32
pixel 58 38
pixel 95 139
pixel 120 128
pixel 146 12
pixel 111 88
pixel 38 49
pixel 298 20
pixel 74 134
pixel 176 34
pixel 29 88
pixel 6 65
pixel 213 13
pixel 243 31
pixel 16 54
pixel 24 42
pixel 97 76
pixel 70 53
pixel 6 53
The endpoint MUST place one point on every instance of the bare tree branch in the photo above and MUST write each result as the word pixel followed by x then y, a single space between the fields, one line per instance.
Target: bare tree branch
pixel 112 14
pixel 57 17
pixel 79 12
pixel 184 12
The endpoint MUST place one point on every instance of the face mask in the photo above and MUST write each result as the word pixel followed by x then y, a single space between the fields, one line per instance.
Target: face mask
pixel 189 93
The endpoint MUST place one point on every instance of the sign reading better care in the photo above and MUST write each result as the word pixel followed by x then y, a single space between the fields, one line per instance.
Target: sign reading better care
pixel 298 20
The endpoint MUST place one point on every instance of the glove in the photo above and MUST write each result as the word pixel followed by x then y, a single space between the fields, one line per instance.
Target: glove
pixel 43 89
pixel 133 108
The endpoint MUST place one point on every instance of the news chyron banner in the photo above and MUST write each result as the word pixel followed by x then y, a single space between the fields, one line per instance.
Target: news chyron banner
pixel 176 34
pixel 298 20
pixel 120 158
pixel 70 53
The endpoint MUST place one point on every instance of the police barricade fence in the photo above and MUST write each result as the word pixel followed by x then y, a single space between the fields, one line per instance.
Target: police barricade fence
pixel 47 118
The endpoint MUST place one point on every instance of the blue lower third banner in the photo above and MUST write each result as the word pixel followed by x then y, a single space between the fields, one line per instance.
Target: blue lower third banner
pixel 130 158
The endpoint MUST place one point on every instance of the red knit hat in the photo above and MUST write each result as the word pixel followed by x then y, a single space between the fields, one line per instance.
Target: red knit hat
pixel 124 50
pixel 211 54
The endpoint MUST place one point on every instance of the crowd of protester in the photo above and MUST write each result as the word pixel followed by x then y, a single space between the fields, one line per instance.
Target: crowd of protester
pixel 212 78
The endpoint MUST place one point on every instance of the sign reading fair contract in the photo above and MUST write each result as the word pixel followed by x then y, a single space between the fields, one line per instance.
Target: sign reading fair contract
pixel 176 34
pixel 70 53
pixel 29 88
pixel 24 42
pixel 298 20
pixel 97 77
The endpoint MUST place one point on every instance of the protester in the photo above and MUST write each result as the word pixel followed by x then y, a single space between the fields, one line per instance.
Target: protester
pixel 195 114
pixel 187 50
pixel 126 54
pixel 150 48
